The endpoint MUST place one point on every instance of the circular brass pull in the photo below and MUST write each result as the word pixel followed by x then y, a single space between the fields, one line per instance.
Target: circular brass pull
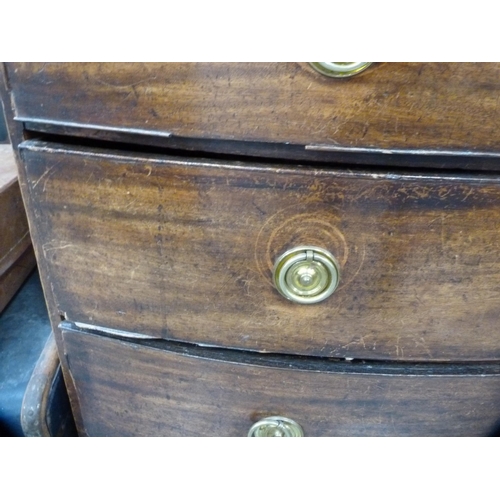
pixel 306 275
pixel 340 69
pixel 276 427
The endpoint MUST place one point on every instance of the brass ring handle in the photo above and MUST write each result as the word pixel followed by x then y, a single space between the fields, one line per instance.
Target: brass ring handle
pixel 276 427
pixel 306 274
pixel 340 69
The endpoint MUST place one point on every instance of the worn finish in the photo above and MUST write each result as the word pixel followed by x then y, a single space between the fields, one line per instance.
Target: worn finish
pixel 185 250
pixel 126 389
pixel 17 134
pixel 45 409
pixel 119 238
pixel 36 401
pixel 391 106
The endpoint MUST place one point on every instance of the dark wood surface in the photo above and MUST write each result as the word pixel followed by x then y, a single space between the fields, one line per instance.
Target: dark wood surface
pixel 17 134
pixel 184 250
pixel 450 107
pixel 255 151
pixel 424 289
pixel 125 389
pixel 36 401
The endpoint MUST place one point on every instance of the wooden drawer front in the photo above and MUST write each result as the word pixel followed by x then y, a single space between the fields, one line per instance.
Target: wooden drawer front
pixel 126 389
pixel 407 106
pixel 184 250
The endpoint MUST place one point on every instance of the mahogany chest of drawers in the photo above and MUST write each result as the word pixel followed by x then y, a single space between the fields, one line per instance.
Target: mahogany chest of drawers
pixel 224 243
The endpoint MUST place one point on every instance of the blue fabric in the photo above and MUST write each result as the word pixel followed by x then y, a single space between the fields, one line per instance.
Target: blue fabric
pixel 24 330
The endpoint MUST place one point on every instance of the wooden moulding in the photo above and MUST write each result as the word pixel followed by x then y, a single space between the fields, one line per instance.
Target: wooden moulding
pixel 17 259
pixel 184 250
pixel 129 389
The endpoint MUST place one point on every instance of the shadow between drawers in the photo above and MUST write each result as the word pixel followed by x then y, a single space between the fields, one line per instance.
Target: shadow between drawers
pixel 293 154
pixel 299 362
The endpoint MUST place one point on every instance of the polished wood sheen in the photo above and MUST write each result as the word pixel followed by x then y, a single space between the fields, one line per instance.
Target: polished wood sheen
pixel 126 389
pixel 155 244
pixel 451 107
pixel 184 249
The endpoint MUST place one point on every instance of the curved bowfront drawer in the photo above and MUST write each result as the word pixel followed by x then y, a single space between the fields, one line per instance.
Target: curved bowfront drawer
pixel 125 389
pixel 391 106
pixel 185 250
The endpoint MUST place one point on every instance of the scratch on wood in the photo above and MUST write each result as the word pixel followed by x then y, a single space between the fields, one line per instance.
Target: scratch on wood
pixel 131 85
pixel 43 176
pixel 132 272
pixel 46 247
pixel 399 350
pixel 42 69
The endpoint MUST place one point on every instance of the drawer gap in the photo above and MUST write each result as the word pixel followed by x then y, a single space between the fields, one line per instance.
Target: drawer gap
pixel 300 362
pixel 272 153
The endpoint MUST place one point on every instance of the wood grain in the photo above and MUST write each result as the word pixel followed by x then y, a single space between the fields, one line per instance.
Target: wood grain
pixel 125 389
pixel 184 250
pixel 404 107
pixel 17 134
